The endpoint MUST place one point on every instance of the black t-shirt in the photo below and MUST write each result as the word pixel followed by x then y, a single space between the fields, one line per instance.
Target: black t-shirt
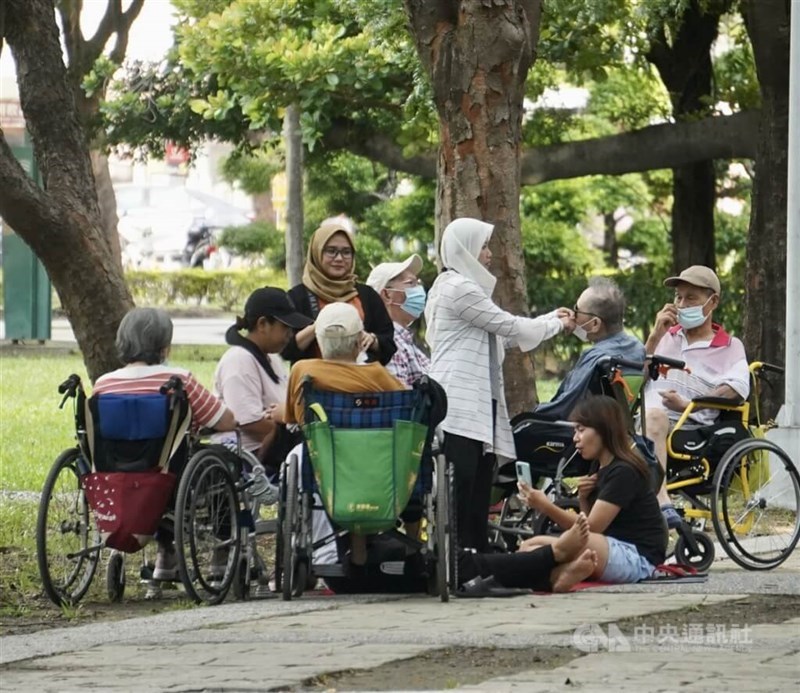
pixel 639 521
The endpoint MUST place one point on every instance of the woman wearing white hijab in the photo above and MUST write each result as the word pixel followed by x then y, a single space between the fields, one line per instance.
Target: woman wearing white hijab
pixel 468 334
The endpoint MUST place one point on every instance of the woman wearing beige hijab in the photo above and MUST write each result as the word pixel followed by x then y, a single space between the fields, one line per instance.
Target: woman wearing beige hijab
pixel 329 277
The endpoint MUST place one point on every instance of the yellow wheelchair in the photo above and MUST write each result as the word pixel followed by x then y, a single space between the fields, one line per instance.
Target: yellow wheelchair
pixel 729 474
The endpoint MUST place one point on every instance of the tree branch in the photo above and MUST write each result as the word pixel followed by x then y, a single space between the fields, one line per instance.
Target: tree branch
pixel 23 204
pixel 378 147
pixel 657 146
pixel 123 30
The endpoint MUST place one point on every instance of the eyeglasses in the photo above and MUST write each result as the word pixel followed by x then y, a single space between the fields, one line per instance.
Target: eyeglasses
pixel 332 251
pixel 577 310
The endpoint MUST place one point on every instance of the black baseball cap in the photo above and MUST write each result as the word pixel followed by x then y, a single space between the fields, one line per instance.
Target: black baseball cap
pixel 272 302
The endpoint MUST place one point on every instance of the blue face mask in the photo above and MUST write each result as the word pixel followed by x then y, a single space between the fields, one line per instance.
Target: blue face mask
pixel 415 301
pixel 689 318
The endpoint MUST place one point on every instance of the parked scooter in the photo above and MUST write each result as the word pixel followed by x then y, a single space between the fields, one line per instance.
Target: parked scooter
pixel 199 246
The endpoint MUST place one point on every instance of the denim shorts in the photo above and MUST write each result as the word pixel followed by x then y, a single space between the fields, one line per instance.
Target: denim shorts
pixel 625 563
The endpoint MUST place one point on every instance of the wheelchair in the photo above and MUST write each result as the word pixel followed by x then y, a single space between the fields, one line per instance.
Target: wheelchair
pixel 728 474
pixel 546 445
pixel 136 470
pixel 367 460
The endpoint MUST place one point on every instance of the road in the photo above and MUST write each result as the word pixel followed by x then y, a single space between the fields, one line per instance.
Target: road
pixel 187 330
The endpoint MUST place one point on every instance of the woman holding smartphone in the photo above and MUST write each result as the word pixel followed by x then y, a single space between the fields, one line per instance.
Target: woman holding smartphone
pixel 627 529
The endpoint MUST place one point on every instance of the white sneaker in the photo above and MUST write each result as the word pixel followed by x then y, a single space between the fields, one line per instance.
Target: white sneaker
pixel 166 568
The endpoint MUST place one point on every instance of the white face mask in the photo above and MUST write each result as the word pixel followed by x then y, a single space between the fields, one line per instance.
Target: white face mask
pixel 580 331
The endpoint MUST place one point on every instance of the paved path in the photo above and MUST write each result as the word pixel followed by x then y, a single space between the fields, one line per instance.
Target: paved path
pixel 186 330
pixel 262 644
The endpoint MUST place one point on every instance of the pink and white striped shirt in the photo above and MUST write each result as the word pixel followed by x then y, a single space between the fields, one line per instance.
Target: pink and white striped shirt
pixel 131 380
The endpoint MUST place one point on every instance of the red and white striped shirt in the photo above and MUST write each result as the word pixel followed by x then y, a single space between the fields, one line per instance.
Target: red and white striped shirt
pixel 132 380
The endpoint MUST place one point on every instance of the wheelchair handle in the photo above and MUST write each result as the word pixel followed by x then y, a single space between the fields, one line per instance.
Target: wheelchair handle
pixel 70 385
pixel 659 365
pixel 174 384
pixel 69 388
pixel 615 362
pixel 766 367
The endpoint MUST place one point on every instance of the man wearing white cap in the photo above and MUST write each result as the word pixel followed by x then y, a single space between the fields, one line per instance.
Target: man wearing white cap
pixel 398 285
pixel 685 330
pixel 339 331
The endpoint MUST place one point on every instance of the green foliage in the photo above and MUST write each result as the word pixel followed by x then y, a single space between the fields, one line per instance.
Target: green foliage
pixel 225 289
pixel 252 171
pixel 257 240
pixel 736 82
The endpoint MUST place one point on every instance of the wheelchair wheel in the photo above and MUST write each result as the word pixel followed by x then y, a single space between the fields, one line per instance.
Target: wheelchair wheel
pixel 755 503
pixel 68 544
pixel 294 570
pixel 207 527
pixel 115 576
pixel 700 559
pixel 443 546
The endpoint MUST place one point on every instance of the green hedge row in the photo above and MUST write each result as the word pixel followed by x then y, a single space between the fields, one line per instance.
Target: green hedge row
pixel 225 289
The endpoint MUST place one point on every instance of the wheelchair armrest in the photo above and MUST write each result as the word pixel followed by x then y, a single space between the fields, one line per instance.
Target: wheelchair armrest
pixel 714 402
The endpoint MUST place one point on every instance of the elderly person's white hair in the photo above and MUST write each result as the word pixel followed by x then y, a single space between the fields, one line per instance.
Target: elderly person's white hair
pixel 338 329
pixel 145 334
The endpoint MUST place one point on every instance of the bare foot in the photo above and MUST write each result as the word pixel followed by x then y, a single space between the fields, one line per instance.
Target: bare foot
pixel 569 545
pixel 566 576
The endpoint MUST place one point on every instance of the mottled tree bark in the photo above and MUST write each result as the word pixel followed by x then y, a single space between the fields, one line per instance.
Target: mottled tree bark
pixel 477 54
pixel 765 282
pixel 62 223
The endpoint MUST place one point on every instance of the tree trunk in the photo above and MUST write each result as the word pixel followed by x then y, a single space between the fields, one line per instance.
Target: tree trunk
pixel 61 223
pixel 610 243
pixel 477 55
pixel 765 288
pixel 107 201
pixel 294 196
pixel 694 196
pixel 685 68
pixel 263 208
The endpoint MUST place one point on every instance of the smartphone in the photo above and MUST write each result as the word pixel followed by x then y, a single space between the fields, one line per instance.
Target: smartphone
pixel 524 473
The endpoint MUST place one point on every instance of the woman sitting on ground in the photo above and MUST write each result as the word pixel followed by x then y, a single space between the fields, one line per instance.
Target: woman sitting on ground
pixel 628 532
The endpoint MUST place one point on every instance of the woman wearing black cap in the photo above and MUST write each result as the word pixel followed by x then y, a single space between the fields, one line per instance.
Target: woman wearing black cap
pixel 251 379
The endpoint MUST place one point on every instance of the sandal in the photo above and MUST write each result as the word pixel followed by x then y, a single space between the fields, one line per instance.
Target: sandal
pixel 479 587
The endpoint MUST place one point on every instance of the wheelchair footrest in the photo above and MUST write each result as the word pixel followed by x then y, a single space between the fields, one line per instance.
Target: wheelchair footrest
pixel 328 570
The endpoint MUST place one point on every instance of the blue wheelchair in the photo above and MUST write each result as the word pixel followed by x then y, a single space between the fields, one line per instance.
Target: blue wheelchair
pixel 136 472
pixel 370 465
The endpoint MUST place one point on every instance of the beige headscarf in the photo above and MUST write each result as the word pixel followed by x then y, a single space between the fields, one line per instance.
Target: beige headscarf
pixel 314 277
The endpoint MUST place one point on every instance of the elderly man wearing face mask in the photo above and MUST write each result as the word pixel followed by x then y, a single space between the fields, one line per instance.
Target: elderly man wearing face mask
pixel 685 330
pixel 599 313
pixel 404 297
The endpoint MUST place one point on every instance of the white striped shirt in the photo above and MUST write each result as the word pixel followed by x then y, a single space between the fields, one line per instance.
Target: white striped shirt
pixel 461 322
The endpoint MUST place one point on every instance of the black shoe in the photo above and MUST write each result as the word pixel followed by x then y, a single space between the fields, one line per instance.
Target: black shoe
pixel 487 587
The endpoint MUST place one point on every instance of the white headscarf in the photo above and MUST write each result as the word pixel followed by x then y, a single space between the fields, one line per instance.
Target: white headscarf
pixel 462 242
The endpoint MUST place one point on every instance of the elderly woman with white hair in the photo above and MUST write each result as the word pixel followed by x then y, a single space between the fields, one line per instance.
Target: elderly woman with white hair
pixel 144 338
pixel 468 334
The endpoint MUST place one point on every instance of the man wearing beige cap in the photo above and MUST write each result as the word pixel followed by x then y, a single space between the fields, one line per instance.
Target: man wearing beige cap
pixel 339 331
pixel 685 330
pixel 397 283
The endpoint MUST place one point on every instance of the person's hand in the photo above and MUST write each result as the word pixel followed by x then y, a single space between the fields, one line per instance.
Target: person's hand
pixel 666 318
pixel 586 485
pixel 567 318
pixel 368 341
pixel 671 400
pixel 276 413
pixel 532 497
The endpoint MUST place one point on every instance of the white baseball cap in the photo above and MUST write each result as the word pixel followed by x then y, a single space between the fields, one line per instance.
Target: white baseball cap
pixel 338 320
pixel 382 274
